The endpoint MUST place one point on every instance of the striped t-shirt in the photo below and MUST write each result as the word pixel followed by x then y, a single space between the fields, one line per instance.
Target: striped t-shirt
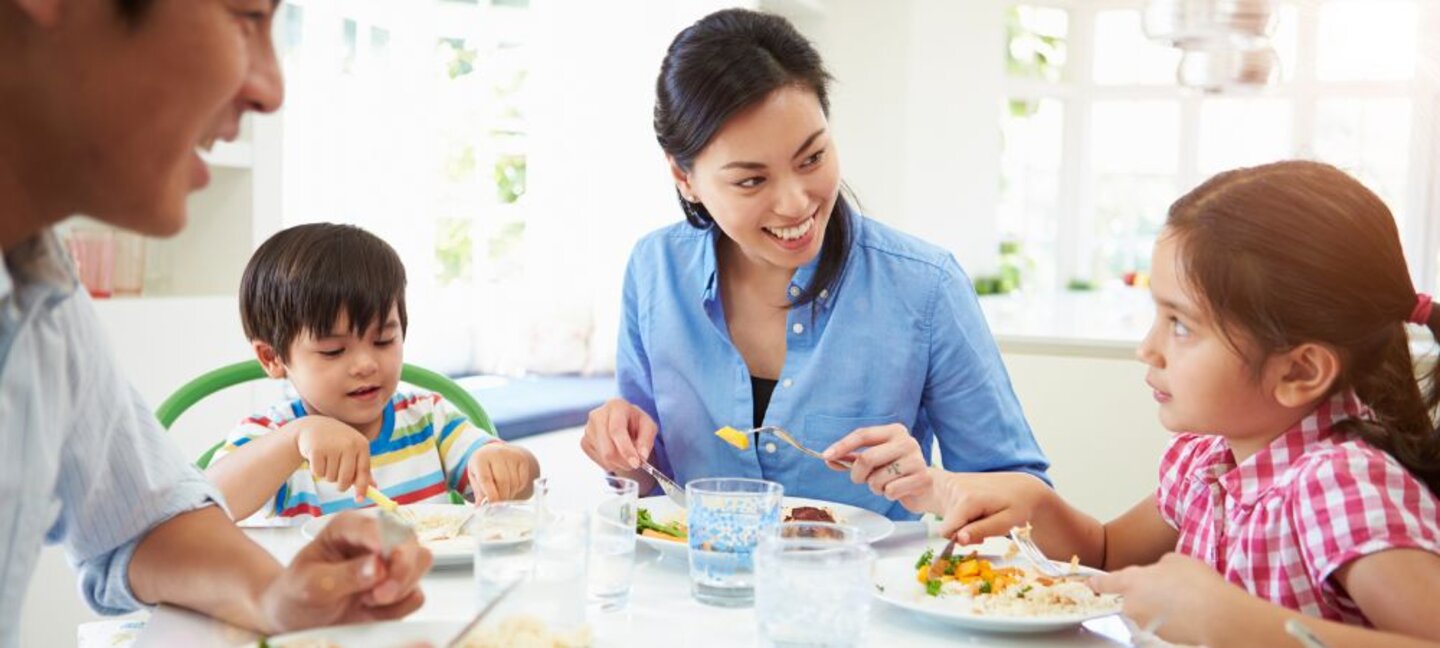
pixel 419 455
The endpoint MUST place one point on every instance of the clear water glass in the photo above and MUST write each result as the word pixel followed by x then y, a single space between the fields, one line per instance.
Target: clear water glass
pixel 612 543
pixel 727 516
pixel 504 545
pixel 812 585
pixel 556 590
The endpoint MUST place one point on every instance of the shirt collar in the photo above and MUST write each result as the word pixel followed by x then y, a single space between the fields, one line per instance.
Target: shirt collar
pixel 802 278
pixel 39 260
pixel 1261 472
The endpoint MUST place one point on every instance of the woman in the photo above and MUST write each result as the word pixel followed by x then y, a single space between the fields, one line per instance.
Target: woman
pixel 776 303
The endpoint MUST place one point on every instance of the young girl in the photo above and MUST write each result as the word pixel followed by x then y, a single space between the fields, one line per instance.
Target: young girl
pixel 1306 463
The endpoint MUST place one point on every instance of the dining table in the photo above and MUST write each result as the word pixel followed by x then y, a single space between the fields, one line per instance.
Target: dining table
pixel 660 610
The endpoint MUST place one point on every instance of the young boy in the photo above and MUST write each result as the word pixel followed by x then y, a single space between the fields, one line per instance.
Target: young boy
pixel 324 306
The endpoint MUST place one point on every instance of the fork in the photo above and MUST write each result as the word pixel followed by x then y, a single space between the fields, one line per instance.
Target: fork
pixel 787 438
pixel 459 639
pixel 674 491
pixel 1036 557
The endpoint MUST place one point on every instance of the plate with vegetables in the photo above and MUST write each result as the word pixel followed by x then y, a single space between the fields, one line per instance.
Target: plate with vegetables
pixel 661 524
pixel 989 592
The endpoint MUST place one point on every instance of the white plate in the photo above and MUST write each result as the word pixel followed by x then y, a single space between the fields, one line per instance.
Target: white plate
pixel 874 526
pixel 895 584
pixel 448 552
pixel 381 634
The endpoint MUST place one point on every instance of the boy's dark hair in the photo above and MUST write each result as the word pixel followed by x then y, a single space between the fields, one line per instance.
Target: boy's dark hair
pixel 304 277
pixel 724 63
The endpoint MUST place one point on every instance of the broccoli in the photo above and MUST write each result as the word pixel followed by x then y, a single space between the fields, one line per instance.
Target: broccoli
pixel 925 558
pixel 643 521
pixel 932 587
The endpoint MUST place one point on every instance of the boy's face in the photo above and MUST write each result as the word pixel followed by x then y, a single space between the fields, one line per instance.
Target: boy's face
pixel 123 106
pixel 348 377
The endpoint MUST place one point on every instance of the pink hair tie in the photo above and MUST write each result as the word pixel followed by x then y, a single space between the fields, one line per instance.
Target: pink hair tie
pixel 1423 306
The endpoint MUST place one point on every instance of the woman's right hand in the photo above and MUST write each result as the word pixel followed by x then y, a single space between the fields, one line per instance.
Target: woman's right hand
pixel 619 436
pixel 337 453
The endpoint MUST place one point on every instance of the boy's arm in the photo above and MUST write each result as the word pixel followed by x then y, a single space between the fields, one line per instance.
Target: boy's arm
pixel 250 475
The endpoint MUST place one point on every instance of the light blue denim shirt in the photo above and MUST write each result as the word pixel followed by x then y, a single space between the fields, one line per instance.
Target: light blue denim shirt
pixel 82 460
pixel 900 339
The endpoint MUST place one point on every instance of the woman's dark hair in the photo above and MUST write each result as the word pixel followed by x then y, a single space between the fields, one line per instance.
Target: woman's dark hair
pixel 721 65
pixel 302 278
pixel 1295 252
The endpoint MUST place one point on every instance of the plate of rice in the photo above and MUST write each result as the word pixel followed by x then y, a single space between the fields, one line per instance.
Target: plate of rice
pixel 434 525
pixel 990 593
pixel 511 632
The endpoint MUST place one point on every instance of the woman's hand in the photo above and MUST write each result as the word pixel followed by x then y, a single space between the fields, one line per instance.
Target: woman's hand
pixel 1179 598
pixel 618 436
pixel 888 459
pixel 337 453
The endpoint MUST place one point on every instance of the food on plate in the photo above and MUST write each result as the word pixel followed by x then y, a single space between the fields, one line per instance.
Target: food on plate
pixel 435 527
pixel 524 631
pixel 980 587
pixel 674 530
pixel 809 514
pixel 734 437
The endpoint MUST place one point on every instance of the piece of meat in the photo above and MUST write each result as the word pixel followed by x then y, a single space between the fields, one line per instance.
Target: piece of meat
pixel 809 514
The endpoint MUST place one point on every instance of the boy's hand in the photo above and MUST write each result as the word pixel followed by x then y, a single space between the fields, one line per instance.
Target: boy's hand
pixel 501 471
pixel 337 453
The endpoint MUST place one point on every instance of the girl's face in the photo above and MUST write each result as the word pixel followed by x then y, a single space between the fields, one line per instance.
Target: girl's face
pixel 770 178
pixel 1201 383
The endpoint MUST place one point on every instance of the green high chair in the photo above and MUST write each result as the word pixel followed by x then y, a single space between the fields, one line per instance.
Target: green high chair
pixel 241 372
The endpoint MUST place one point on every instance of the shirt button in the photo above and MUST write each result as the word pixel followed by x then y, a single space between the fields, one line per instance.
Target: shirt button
pixel 770 447
pixel 786 383
pixel 824 294
pixel 798 328
pixel 794 291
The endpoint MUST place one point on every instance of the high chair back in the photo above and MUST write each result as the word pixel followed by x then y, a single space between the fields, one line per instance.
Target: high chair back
pixel 241 372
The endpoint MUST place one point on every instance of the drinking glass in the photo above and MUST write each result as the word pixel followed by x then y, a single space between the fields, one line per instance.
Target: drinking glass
pixel 812 585
pixel 727 518
pixel 612 543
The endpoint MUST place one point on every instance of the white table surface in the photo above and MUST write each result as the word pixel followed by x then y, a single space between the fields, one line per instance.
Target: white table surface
pixel 660 602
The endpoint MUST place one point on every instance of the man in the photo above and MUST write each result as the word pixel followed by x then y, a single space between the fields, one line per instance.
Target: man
pixel 103 106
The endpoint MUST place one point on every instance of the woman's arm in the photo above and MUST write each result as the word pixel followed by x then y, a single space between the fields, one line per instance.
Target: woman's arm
pixel 250 475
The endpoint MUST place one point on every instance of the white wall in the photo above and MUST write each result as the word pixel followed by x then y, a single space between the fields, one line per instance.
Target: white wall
pixel 915 108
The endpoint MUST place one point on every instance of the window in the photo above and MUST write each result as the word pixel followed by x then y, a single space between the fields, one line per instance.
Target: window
pixel 1099 138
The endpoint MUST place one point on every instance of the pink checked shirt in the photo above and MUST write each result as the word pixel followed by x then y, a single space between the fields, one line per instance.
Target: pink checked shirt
pixel 1280 524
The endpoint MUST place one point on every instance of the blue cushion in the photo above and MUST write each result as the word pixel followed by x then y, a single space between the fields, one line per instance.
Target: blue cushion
pixel 522 407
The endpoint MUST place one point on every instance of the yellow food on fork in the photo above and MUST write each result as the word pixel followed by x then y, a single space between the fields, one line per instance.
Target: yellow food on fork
pixel 381 500
pixel 734 437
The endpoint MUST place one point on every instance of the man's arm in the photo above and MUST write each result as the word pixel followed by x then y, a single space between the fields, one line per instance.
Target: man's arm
pixel 202 561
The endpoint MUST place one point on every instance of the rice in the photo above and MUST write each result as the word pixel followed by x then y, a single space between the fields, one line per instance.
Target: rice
pixel 524 631
pixel 1030 599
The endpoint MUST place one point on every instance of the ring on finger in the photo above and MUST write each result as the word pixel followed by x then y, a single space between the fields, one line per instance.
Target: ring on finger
pixel 893 468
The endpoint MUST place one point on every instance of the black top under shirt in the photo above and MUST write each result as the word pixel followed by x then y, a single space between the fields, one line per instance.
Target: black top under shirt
pixel 761 390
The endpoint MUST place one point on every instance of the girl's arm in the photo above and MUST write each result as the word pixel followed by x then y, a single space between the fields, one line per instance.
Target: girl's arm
pixel 1398 590
pixel 250 475
pixel 974 506
pixel 1194 605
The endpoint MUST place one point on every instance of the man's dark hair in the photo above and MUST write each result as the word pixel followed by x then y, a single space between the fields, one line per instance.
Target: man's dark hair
pixel 304 277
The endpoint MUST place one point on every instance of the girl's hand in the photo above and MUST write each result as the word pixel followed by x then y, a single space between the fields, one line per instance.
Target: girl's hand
pixel 1178 598
pixel 975 506
pixel 501 471
pixel 618 436
pixel 337 453
pixel 888 459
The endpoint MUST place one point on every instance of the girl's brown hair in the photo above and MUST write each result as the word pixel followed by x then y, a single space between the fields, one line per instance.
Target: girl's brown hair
pixel 1294 252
